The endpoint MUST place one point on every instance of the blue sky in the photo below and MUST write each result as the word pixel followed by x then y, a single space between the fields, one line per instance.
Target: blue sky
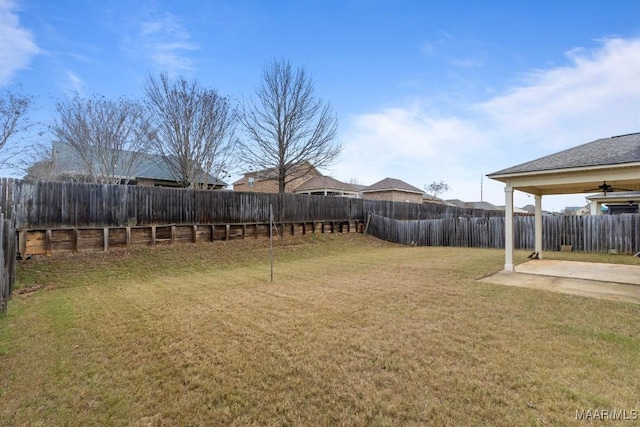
pixel 424 90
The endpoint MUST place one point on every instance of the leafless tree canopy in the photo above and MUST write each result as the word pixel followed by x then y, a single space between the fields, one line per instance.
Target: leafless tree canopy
pixel 108 136
pixel 195 129
pixel 286 125
pixel 437 188
pixel 13 119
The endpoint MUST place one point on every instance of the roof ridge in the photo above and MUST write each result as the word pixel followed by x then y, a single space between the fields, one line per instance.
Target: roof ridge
pixel 625 134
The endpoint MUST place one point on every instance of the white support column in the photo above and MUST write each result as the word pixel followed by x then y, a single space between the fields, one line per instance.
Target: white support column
pixel 508 228
pixel 596 208
pixel 538 225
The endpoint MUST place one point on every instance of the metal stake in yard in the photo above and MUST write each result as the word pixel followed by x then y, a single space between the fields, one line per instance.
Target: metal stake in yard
pixel 271 238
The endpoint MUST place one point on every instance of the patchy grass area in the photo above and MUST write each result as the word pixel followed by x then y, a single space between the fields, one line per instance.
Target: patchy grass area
pixel 353 331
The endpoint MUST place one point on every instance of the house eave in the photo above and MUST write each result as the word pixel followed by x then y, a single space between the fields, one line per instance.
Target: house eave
pixel 506 176
pixel 574 180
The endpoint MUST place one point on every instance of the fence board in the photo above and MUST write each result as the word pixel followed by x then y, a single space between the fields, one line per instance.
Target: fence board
pixel 585 233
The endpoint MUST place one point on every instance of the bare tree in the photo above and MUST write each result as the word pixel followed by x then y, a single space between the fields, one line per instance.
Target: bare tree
pixel 109 137
pixel 286 125
pixel 39 164
pixel 13 120
pixel 195 129
pixel 437 188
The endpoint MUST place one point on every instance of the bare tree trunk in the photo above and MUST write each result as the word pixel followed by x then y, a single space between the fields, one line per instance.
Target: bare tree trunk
pixel 287 127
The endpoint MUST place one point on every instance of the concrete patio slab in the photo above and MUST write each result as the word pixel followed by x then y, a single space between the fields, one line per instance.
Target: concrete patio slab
pixel 607 281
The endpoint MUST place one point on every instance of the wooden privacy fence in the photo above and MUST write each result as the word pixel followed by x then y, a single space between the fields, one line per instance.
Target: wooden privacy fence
pixel 8 217
pixel 599 233
pixel 69 204
pixel 8 259
pixel 66 216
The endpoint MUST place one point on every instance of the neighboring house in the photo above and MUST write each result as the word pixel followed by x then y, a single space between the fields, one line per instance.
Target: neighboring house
pixel 616 203
pixel 149 170
pixel 473 205
pixel 393 190
pixel 455 202
pixel 327 186
pixel 531 209
pixel 483 205
pixel 266 180
pixel 576 210
pixel 430 198
pixel 517 211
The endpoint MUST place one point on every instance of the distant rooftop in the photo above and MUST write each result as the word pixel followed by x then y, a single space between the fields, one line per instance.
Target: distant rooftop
pixel 389 184
pixel 325 182
pixel 148 166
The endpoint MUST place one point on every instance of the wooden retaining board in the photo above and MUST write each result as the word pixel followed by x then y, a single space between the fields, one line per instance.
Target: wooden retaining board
pixel 52 241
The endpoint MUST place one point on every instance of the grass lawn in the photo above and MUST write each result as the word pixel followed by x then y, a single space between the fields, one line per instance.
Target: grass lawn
pixel 353 331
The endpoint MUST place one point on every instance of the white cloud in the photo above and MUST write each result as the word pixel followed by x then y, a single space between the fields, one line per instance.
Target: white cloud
pixel 17 43
pixel 431 46
pixel 77 84
pixel 596 95
pixel 162 39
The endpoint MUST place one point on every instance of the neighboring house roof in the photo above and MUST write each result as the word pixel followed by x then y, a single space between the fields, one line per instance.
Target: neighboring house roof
pixel 239 181
pixel 529 208
pixel 325 182
pixel 149 166
pixel 515 209
pixel 272 173
pixel 484 205
pixel 430 197
pixel 480 205
pixel 455 202
pixel 606 151
pixel 392 184
pixel 577 210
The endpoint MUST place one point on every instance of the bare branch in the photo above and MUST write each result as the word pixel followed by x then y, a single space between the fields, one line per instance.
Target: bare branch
pixel 108 137
pixel 285 125
pixel 437 188
pixel 13 120
pixel 195 129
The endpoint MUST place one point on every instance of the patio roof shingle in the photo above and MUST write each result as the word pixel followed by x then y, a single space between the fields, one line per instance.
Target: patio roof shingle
pixel 606 151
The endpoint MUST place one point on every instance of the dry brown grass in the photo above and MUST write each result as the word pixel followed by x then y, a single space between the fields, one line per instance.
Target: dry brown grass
pixel 352 332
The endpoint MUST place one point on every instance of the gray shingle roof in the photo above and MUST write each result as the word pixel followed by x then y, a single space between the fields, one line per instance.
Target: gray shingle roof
pixel 455 202
pixel 324 182
pixel 606 151
pixel 388 184
pixel 149 166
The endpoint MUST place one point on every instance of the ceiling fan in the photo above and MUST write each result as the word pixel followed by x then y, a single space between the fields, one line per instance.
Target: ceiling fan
pixel 607 188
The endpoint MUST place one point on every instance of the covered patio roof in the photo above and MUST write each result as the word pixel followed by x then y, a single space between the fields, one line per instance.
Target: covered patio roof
pixel 605 165
pixel 580 169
